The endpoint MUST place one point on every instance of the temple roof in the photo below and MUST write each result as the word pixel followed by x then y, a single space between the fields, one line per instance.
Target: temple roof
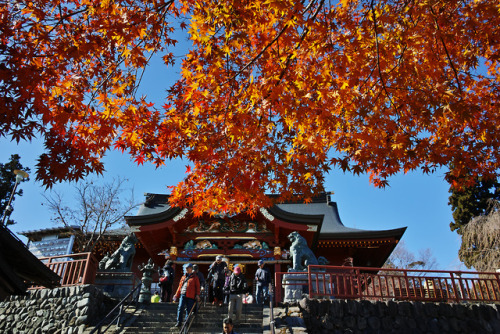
pixel 61 231
pixel 156 209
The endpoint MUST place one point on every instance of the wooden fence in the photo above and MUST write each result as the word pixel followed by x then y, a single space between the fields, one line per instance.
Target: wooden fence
pixel 398 284
pixel 74 269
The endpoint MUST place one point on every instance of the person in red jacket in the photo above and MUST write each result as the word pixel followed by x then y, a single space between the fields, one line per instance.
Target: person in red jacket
pixel 187 293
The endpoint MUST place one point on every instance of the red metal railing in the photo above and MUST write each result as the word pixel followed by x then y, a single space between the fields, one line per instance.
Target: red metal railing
pixel 380 284
pixel 74 269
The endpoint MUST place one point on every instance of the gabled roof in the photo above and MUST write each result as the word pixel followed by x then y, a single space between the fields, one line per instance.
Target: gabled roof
pixel 157 209
pixel 64 231
pixel 332 227
pixel 35 235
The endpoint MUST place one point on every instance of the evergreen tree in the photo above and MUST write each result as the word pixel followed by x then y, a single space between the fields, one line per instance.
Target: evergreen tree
pixel 7 182
pixel 470 202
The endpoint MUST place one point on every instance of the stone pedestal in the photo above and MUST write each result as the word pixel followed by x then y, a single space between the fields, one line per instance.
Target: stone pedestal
pixel 115 284
pixel 296 285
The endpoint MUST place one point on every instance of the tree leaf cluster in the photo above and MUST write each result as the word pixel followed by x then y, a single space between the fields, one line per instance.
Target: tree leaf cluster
pixel 270 96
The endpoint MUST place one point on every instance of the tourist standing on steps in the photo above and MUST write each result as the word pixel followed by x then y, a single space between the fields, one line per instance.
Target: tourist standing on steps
pixel 237 289
pixel 216 276
pixel 227 276
pixel 201 277
pixel 227 326
pixel 166 282
pixel 262 279
pixel 187 293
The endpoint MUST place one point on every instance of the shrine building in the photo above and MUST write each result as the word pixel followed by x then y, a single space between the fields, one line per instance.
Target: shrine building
pixel 171 232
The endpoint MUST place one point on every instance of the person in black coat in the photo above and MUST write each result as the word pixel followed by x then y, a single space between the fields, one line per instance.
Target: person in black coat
pixel 166 282
pixel 217 276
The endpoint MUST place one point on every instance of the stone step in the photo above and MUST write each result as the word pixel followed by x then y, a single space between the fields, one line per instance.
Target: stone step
pixel 144 330
pixel 199 320
pixel 161 318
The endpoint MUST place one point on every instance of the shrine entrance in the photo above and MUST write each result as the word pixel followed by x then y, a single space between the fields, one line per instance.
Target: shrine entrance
pixel 167 232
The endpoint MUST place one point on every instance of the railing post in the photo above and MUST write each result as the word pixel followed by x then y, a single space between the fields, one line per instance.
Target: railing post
pixel 309 282
pixel 407 284
pixel 278 287
pixel 271 309
pixel 497 276
pixel 455 290
pixel 358 278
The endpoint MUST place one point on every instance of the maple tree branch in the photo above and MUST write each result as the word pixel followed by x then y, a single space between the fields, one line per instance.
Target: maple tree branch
pixel 258 55
pixel 163 15
pixel 378 55
pixel 268 45
pixel 302 38
pixel 446 51
pixel 64 17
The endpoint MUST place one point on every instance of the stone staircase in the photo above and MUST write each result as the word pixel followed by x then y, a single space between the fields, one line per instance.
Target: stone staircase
pixel 153 318
pixel 161 318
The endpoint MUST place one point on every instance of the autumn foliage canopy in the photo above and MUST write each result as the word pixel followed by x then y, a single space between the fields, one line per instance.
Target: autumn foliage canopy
pixel 271 95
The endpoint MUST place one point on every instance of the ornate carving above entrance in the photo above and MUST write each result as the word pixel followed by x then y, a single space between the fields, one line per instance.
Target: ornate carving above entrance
pixel 252 244
pixel 203 244
pixel 220 225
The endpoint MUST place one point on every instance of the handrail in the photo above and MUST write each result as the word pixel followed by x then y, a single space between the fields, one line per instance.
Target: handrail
pixel 97 328
pixel 190 318
pixel 271 308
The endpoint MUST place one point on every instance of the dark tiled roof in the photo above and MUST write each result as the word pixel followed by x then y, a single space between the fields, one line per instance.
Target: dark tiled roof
pixel 156 208
pixel 35 235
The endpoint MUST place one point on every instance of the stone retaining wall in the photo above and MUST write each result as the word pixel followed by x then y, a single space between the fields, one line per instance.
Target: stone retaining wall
pixel 62 310
pixel 351 316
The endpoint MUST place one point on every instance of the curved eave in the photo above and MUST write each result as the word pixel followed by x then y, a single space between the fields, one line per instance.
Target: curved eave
pixel 297 218
pixel 367 234
pixel 152 219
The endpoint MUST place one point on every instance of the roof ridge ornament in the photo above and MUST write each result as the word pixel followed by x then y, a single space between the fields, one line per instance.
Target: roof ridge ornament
pixel 266 214
pixel 181 215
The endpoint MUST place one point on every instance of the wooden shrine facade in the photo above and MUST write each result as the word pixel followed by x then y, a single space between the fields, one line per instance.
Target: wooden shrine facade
pixel 166 231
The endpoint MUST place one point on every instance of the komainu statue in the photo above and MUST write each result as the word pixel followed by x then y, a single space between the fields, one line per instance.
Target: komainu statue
pixel 121 259
pixel 301 255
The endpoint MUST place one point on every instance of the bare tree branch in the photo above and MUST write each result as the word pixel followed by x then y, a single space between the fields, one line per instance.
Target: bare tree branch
pixel 100 207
